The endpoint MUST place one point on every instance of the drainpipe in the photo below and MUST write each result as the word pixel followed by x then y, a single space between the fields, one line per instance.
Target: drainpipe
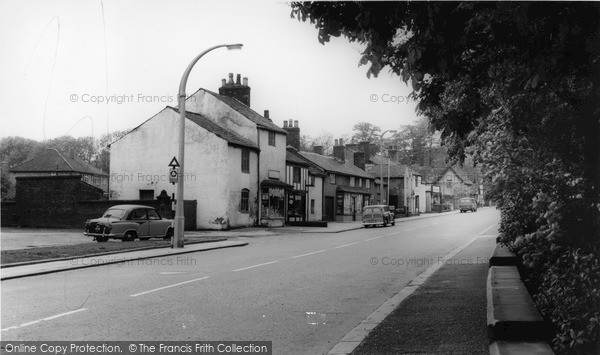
pixel 258 191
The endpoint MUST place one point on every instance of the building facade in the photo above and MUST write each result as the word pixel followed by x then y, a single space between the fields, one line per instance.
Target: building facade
pixel 220 168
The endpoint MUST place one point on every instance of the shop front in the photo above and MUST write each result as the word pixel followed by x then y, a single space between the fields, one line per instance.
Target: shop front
pixel 349 203
pixel 272 202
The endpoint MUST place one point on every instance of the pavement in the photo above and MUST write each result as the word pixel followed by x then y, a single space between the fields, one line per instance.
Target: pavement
pixel 442 311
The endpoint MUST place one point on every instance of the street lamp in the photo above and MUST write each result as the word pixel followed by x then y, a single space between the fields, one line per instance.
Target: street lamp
pixel 179 218
pixel 381 163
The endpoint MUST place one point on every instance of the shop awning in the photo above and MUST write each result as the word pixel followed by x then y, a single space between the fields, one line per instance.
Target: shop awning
pixel 276 184
pixel 353 190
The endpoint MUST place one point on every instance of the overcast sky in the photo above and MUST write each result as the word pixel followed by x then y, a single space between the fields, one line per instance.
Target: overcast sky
pixel 59 58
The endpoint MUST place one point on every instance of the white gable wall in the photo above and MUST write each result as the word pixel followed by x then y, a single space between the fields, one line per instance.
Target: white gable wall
pixel 214 109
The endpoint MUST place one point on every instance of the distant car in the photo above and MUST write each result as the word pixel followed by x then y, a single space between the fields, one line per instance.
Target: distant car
pixel 127 222
pixel 377 215
pixel 467 204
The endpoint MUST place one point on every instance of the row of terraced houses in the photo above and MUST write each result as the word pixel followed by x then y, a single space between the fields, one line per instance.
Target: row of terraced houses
pixel 243 169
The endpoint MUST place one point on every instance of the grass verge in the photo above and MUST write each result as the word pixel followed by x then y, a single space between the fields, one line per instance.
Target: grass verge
pixel 81 250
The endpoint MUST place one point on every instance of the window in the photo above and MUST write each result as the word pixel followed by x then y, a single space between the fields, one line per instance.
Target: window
pixel 272 138
pixel 311 178
pixel 296 174
pixel 312 206
pixel 245 161
pixel 332 178
pixel 448 177
pixel 360 182
pixel 138 214
pixel 244 201
pixel 152 214
pixel 368 184
pixel 417 179
pixel 146 194
pixel 449 185
pixel 352 182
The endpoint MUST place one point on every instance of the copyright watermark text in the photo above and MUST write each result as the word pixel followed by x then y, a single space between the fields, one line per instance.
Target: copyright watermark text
pixel 387 98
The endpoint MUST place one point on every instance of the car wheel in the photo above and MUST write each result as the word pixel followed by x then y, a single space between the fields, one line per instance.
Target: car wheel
pixel 129 237
pixel 102 239
pixel 169 234
pixel 384 223
pixel 393 222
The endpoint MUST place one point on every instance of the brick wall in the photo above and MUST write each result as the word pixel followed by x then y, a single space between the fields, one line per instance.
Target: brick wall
pixel 67 202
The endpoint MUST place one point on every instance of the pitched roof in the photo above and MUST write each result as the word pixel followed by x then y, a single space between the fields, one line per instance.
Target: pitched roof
pixel 292 156
pixel 459 172
pixel 54 161
pixel 249 113
pixel 330 164
pixel 231 137
pixel 396 170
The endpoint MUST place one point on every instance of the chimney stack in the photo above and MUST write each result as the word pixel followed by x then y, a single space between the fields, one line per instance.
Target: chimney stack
pixel 318 149
pixel 365 147
pixel 237 90
pixel 339 151
pixel 359 160
pixel 293 136
pixel 266 115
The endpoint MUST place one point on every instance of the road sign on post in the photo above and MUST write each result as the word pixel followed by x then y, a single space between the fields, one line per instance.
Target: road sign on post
pixel 174 163
pixel 174 175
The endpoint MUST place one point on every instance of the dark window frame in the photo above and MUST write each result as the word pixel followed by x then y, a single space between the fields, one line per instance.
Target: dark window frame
pixel 271 138
pixel 246 161
pixel 245 201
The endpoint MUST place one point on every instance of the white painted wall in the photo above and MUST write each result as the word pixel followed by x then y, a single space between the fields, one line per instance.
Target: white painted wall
pixel 316 193
pixel 208 105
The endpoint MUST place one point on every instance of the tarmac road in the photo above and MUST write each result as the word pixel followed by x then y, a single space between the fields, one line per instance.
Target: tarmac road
pixel 303 292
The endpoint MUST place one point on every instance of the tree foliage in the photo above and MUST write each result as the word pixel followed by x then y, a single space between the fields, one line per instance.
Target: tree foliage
pixel 365 132
pixel 517 84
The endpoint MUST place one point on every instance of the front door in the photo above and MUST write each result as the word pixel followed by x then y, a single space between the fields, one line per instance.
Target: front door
pixel 329 208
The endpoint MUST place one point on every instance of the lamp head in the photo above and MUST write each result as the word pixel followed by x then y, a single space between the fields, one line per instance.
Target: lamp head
pixel 234 46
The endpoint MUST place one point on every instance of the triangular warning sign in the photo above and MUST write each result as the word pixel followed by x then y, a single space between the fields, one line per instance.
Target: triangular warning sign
pixel 174 163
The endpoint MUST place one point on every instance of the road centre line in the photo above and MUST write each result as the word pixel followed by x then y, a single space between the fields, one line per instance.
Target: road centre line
pixel 44 319
pixel 345 245
pixel 307 254
pixel 165 287
pixel 381 236
pixel 253 266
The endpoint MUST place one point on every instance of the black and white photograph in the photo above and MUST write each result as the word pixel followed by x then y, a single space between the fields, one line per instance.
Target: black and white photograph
pixel 283 177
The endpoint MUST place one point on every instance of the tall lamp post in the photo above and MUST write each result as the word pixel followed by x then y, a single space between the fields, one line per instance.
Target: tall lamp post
pixel 381 163
pixel 179 218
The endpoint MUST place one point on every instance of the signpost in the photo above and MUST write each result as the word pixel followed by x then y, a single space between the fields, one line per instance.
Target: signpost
pixel 174 179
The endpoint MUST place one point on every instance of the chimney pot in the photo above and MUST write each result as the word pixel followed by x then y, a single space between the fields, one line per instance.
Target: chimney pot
pixel 266 115
pixel 341 141
pixel 230 78
pixel 223 82
pixel 296 123
pixel 238 80
pixel 285 124
pixel 245 81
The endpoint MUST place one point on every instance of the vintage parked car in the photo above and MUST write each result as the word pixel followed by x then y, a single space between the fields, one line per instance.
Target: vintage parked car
pixel 467 204
pixel 377 215
pixel 127 222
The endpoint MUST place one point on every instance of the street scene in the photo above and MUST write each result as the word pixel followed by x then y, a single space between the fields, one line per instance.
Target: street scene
pixel 300 178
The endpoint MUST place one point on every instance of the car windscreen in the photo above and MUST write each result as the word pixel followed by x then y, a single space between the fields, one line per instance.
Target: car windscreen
pixel 465 200
pixel 114 213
